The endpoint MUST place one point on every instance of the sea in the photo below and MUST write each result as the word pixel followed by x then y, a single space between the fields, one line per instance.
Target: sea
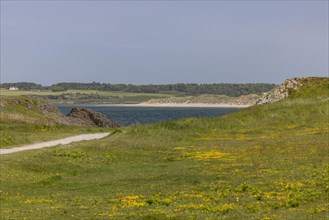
pixel 127 115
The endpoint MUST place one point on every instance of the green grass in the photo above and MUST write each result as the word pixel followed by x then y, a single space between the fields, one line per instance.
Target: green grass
pixel 264 162
pixel 89 96
pixel 6 92
pixel 23 122
pixel 15 134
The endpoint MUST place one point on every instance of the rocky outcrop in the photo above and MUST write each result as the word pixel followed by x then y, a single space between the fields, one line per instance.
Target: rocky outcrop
pixel 36 110
pixel 280 92
pixel 88 117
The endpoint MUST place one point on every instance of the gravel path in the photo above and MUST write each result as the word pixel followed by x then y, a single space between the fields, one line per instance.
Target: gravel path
pixel 68 140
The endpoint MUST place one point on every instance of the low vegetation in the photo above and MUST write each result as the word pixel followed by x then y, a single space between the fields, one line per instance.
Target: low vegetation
pixel 26 120
pixel 107 97
pixel 263 162
pixel 88 96
pixel 208 99
pixel 187 89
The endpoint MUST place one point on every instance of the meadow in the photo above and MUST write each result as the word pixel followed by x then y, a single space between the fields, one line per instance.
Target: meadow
pixel 263 162
pixel 90 96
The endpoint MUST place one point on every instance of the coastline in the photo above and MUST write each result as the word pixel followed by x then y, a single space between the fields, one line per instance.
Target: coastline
pixel 176 105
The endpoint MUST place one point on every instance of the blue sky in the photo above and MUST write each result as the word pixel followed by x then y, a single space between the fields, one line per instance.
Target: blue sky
pixel 143 42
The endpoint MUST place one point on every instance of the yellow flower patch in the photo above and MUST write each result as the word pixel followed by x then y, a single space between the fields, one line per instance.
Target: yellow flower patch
pixel 225 207
pixel 180 148
pixel 275 195
pixel 315 210
pixel 214 154
pixel 132 201
pixel 294 185
pixel 191 195
pixel 190 206
pixel 183 148
pixel 35 201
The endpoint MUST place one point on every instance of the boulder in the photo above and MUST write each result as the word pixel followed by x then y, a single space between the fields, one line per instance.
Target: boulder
pixel 280 92
pixel 88 117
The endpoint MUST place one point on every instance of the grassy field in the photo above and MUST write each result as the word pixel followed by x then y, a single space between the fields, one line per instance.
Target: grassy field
pixel 90 96
pixel 263 162
pixel 19 133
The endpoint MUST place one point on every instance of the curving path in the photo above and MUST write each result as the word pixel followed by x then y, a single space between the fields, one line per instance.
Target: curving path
pixel 68 140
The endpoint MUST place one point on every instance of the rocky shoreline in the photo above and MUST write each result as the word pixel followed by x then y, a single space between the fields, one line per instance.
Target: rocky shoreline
pixel 84 116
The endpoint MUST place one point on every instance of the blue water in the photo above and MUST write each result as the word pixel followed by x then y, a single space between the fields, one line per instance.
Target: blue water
pixel 135 115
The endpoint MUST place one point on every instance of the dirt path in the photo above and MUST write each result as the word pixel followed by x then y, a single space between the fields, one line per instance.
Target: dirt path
pixel 68 140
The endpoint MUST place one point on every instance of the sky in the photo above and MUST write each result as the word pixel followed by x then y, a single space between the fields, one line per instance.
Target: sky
pixel 161 42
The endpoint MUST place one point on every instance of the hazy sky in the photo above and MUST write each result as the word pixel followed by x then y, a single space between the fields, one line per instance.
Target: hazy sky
pixel 143 42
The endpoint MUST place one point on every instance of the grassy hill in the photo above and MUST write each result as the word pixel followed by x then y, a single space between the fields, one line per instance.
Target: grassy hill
pixel 263 162
pixel 26 120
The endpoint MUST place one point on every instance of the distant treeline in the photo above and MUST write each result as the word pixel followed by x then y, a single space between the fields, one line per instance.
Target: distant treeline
pixel 187 89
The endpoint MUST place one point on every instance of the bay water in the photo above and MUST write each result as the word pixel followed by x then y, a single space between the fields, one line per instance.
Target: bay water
pixel 126 115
